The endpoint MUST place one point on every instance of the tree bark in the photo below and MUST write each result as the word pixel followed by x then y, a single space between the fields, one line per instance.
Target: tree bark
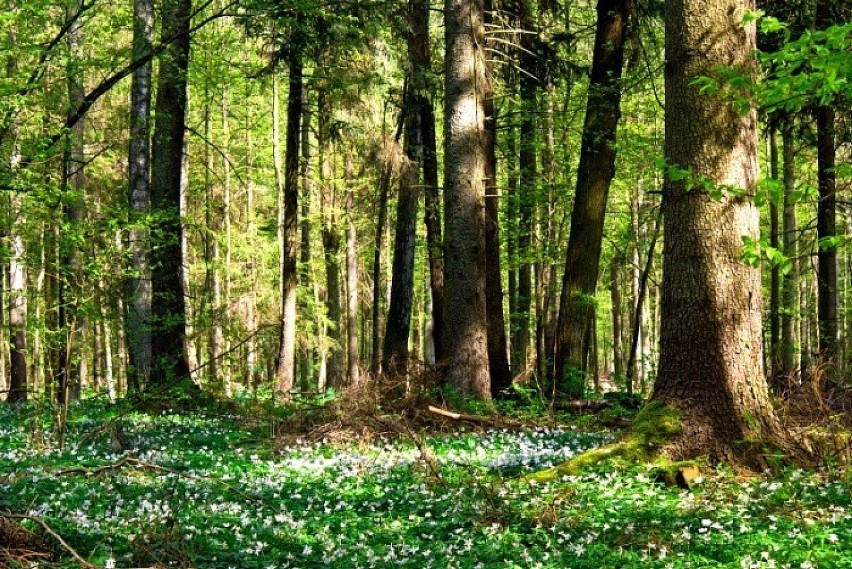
pixel 286 371
pixel 168 314
pixel 594 175
pixel 465 337
pixel 138 289
pixel 710 339
pixel 384 190
pixel 615 300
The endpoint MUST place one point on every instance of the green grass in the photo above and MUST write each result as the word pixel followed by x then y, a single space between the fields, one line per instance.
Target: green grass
pixel 231 499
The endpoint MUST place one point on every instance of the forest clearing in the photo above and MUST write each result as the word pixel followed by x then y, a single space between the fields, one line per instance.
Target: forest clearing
pixel 461 284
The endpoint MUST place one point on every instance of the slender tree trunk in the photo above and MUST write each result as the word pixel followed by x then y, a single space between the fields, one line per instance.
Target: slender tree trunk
pixel 286 372
pixel 138 292
pixel 790 292
pixel 168 315
pixel 637 329
pixel 305 274
pixel 18 388
pixel 384 190
pixel 527 194
pixel 331 250
pixel 594 174
pixel 498 349
pixel 775 271
pixel 710 344
pixel 465 336
pixel 826 230
pixel 352 357
pixel 74 205
pixel 615 299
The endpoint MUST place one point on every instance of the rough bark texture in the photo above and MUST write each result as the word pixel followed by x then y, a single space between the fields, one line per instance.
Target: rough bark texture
pixel 465 337
pixel 168 358
pixel 594 174
pixel 285 374
pixel 710 339
pixel 826 230
pixel 398 329
pixel 827 315
pixel 138 291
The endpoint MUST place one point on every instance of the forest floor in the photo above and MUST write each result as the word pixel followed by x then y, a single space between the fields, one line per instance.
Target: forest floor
pixel 205 489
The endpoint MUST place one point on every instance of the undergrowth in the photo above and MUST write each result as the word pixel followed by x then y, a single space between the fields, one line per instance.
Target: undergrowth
pixel 218 488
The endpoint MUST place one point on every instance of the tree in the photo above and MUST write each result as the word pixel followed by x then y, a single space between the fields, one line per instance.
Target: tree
pixel 286 370
pixel 168 314
pixel 465 333
pixel 138 303
pixel 594 175
pixel 710 340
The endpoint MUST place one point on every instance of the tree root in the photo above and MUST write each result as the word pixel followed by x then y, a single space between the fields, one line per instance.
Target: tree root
pixel 654 427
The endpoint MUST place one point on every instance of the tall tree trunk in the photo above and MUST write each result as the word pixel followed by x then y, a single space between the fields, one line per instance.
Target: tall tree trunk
pixel 639 315
pixel 384 190
pixel 168 314
pixel 286 372
pixel 527 194
pixel 138 292
pixel 710 341
pixel 74 181
pixel 305 274
pixel 498 349
pixel 615 299
pixel 465 335
pixel 397 331
pixel 790 292
pixel 331 250
pixel 594 174
pixel 352 357
pixel 18 388
pixel 775 272
pixel 826 219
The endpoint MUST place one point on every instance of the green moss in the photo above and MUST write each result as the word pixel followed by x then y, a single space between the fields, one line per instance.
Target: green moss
pixel 654 426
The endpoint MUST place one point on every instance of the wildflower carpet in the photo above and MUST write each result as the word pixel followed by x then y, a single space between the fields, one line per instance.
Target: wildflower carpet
pixel 204 491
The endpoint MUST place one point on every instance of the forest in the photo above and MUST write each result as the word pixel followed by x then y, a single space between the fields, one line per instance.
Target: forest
pixel 461 284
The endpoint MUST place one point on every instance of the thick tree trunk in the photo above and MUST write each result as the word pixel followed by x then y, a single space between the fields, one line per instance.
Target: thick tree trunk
pixel 711 350
pixel 594 174
pixel 397 331
pixel 138 291
pixel 353 365
pixel 168 315
pixel 790 292
pixel 286 371
pixel 465 335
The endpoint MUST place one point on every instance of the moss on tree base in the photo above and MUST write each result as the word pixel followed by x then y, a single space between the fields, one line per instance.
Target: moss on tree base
pixel 654 427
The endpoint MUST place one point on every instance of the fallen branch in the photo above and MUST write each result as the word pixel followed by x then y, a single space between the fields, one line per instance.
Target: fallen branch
pixel 56 536
pixel 461 416
pixel 583 405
